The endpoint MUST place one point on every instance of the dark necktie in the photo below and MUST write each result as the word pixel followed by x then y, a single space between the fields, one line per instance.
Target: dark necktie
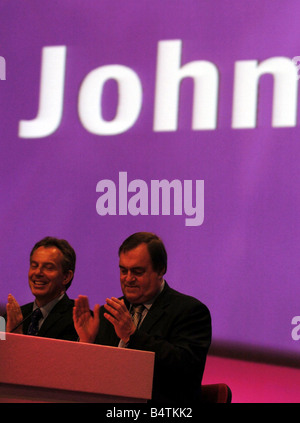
pixel 34 325
pixel 137 314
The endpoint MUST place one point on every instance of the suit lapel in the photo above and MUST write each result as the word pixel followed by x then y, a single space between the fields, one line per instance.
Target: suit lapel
pixel 54 315
pixel 157 310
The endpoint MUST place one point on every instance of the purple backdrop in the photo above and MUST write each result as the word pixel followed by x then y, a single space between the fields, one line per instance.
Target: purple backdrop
pixel 243 259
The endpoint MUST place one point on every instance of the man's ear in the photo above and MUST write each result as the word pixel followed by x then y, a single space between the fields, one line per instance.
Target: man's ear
pixel 162 272
pixel 68 276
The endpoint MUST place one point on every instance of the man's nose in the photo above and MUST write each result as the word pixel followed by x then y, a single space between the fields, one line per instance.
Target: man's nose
pixel 38 270
pixel 130 276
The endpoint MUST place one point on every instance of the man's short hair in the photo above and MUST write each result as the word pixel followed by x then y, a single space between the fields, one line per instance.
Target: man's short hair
pixel 156 249
pixel 69 255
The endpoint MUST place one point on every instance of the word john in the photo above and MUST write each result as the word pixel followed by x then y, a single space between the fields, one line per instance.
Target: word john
pixel 170 72
pixel 154 199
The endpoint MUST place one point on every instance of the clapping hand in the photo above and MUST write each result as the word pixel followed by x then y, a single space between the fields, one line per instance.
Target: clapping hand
pixel 14 315
pixel 86 324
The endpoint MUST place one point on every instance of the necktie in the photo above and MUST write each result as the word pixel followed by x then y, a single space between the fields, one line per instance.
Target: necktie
pixel 34 325
pixel 137 314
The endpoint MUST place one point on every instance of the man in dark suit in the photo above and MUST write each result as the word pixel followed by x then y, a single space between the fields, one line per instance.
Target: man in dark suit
pixel 175 326
pixel 51 271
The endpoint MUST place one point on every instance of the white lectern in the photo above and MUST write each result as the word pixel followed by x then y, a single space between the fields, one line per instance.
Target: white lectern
pixel 37 369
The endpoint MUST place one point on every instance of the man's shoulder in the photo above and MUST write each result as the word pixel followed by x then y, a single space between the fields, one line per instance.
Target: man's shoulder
pixel 64 306
pixel 172 292
pixel 182 299
pixel 67 301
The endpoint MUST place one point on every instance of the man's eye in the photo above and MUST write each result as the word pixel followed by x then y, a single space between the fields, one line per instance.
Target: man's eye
pixel 138 272
pixel 49 267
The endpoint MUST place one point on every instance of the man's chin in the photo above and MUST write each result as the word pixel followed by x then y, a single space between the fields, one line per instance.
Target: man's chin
pixel 132 296
pixel 41 294
pixel 39 290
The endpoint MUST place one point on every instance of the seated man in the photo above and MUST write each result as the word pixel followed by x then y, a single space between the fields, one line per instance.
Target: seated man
pixel 51 271
pixel 175 326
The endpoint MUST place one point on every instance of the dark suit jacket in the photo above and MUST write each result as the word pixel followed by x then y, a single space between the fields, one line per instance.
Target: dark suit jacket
pixel 178 329
pixel 59 322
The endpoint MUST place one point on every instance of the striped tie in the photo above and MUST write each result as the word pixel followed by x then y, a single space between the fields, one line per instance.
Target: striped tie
pixel 137 314
pixel 34 325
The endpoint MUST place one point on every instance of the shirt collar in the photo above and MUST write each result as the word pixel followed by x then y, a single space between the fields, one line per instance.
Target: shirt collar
pixel 45 309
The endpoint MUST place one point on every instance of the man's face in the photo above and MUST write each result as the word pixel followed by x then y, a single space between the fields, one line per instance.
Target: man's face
pixel 139 282
pixel 46 278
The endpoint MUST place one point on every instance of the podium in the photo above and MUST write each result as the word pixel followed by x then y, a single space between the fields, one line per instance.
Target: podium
pixel 35 369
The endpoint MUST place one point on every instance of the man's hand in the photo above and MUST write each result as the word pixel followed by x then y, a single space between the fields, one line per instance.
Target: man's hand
pixel 14 315
pixel 120 317
pixel 86 325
